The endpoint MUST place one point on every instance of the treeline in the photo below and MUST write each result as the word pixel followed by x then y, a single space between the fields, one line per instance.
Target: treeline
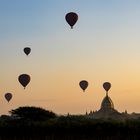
pixel 54 127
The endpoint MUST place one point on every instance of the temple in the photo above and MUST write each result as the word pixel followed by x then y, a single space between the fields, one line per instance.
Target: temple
pixel 107 111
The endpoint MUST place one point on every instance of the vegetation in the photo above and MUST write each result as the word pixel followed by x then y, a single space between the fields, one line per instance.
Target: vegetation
pixel 32 113
pixel 29 124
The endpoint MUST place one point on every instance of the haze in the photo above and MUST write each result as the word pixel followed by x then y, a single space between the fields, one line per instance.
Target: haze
pixel 103 46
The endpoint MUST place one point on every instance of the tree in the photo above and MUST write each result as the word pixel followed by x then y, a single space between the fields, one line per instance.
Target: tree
pixel 32 113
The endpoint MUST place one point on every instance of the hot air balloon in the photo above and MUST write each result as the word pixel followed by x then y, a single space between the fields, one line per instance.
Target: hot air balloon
pixel 24 79
pixel 8 96
pixel 27 50
pixel 106 86
pixel 71 18
pixel 83 84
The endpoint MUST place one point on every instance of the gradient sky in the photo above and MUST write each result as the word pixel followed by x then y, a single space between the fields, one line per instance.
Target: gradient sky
pixel 103 46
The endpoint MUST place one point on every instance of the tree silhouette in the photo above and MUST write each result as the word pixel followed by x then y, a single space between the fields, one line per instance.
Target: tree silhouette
pixel 32 113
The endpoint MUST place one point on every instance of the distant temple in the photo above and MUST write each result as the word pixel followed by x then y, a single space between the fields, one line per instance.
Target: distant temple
pixel 107 111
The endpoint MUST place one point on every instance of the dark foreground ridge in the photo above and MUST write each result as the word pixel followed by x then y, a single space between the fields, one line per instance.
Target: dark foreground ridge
pixel 32 123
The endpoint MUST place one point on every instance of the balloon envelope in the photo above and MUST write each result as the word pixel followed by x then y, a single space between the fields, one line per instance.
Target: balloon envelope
pixel 106 86
pixel 83 84
pixel 71 18
pixel 8 96
pixel 24 79
pixel 27 50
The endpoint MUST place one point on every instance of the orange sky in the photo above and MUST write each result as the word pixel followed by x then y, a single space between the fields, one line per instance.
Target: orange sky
pixel 103 46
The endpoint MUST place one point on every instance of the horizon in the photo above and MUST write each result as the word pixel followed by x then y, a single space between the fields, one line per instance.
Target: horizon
pixel 103 46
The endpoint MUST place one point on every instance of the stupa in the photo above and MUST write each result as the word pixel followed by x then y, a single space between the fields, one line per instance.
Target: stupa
pixel 107 110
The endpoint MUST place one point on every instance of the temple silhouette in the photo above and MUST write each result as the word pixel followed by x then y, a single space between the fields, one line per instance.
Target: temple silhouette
pixel 107 111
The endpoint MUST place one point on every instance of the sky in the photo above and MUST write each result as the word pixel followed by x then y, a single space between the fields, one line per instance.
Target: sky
pixel 104 46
